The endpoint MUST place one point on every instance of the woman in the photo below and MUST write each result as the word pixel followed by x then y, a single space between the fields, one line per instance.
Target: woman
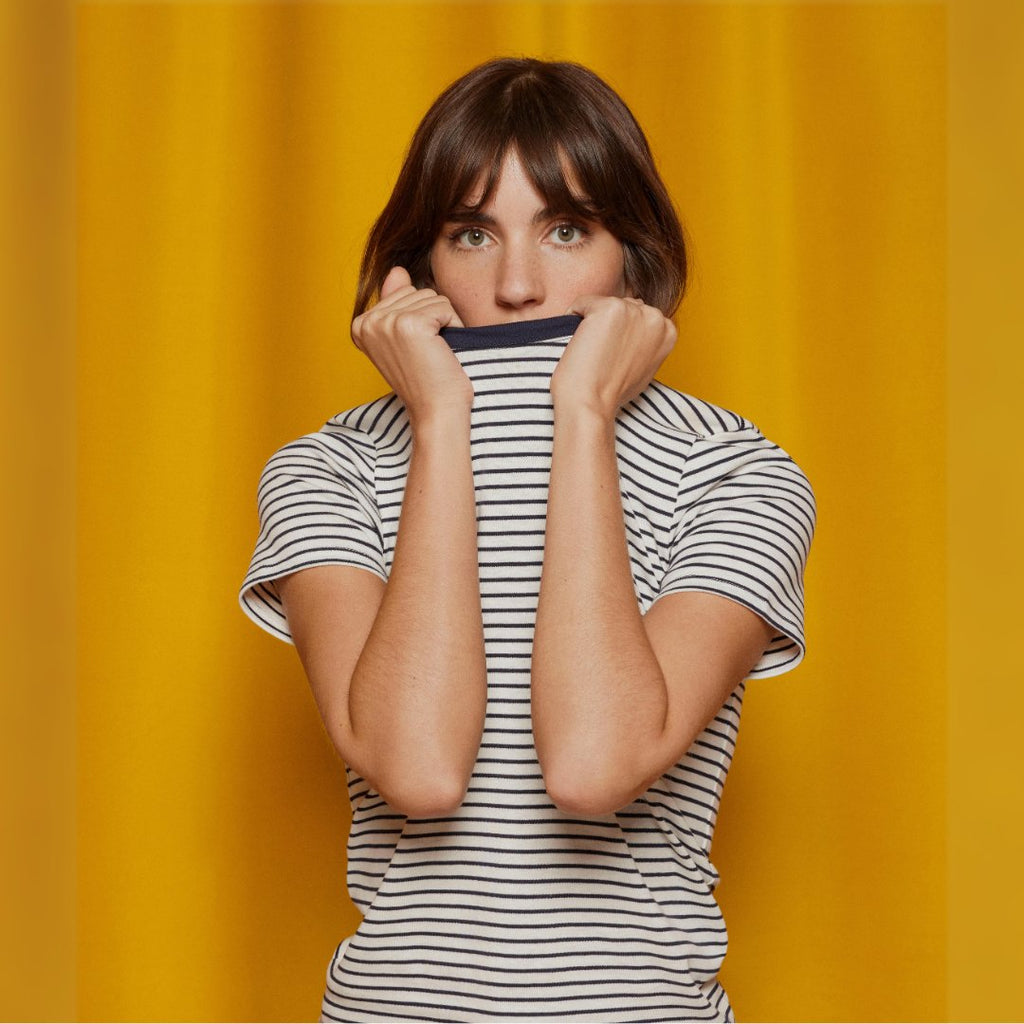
pixel 527 585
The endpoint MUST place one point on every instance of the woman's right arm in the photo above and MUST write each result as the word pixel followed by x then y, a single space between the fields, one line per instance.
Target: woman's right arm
pixel 398 669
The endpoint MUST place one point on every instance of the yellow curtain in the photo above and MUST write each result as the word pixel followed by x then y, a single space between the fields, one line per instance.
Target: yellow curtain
pixel 229 159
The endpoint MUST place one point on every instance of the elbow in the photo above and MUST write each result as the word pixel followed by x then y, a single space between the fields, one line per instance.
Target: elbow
pixel 424 795
pixel 587 791
pixel 417 782
pixel 421 787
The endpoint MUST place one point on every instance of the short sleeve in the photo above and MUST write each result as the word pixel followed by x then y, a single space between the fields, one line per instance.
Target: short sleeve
pixel 317 506
pixel 745 519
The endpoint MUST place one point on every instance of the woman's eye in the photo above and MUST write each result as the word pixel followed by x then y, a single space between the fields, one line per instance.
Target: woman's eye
pixel 567 233
pixel 473 237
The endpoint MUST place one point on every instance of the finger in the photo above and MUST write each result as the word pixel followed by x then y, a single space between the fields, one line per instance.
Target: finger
pixel 405 296
pixel 454 320
pixel 356 331
pixel 408 309
pixel 428 301
pixel 398 277
pixel 582 304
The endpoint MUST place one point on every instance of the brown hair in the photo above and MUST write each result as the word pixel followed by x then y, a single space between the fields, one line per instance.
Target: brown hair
pixel 563 122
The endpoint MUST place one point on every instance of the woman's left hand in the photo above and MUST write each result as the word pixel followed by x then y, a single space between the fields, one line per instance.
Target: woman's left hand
pixel 613 355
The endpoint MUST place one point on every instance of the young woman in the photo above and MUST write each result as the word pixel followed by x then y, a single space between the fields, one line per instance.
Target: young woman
pixel 528 584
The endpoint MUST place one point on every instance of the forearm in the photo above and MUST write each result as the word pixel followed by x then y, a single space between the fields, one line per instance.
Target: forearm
pixel 418 691
pixel 599 696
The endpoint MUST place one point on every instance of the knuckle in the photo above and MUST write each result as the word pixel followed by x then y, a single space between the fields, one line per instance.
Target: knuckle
pixel 357 332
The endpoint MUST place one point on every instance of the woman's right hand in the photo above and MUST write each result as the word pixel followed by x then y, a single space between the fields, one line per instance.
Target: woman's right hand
pixel 400 335
pixel 398 668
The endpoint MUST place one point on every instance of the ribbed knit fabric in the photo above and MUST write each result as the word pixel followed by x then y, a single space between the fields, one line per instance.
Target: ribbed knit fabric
pixel 509 908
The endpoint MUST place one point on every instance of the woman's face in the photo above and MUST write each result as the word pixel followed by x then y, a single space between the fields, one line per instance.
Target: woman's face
pixel 515 260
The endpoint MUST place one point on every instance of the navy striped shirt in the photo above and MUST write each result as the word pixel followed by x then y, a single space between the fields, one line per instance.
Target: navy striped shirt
pixel 510 908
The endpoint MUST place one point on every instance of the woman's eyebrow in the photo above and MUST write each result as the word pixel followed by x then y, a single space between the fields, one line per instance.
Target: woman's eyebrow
pixel 467 215
pixel 549 213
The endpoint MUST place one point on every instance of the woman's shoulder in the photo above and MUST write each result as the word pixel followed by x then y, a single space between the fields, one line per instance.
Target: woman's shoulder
pixel 372 422
pixel 670 410
pixel 349 441
pixel 706 438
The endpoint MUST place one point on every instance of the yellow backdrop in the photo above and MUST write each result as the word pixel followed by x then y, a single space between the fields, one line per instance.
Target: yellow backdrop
pixel 229 159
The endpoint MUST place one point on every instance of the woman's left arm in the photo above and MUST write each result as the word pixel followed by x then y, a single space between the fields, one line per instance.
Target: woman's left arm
pixel 617 697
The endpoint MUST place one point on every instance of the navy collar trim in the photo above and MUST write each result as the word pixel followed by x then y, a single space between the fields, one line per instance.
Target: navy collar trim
pixel 521 332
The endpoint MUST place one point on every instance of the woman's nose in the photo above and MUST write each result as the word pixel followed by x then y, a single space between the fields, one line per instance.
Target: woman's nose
pixel 520 280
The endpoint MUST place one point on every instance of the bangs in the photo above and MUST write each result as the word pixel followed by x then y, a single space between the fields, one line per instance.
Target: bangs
pixel 553 168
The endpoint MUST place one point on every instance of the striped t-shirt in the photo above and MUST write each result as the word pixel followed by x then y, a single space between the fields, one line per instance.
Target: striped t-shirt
pixel 510 908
